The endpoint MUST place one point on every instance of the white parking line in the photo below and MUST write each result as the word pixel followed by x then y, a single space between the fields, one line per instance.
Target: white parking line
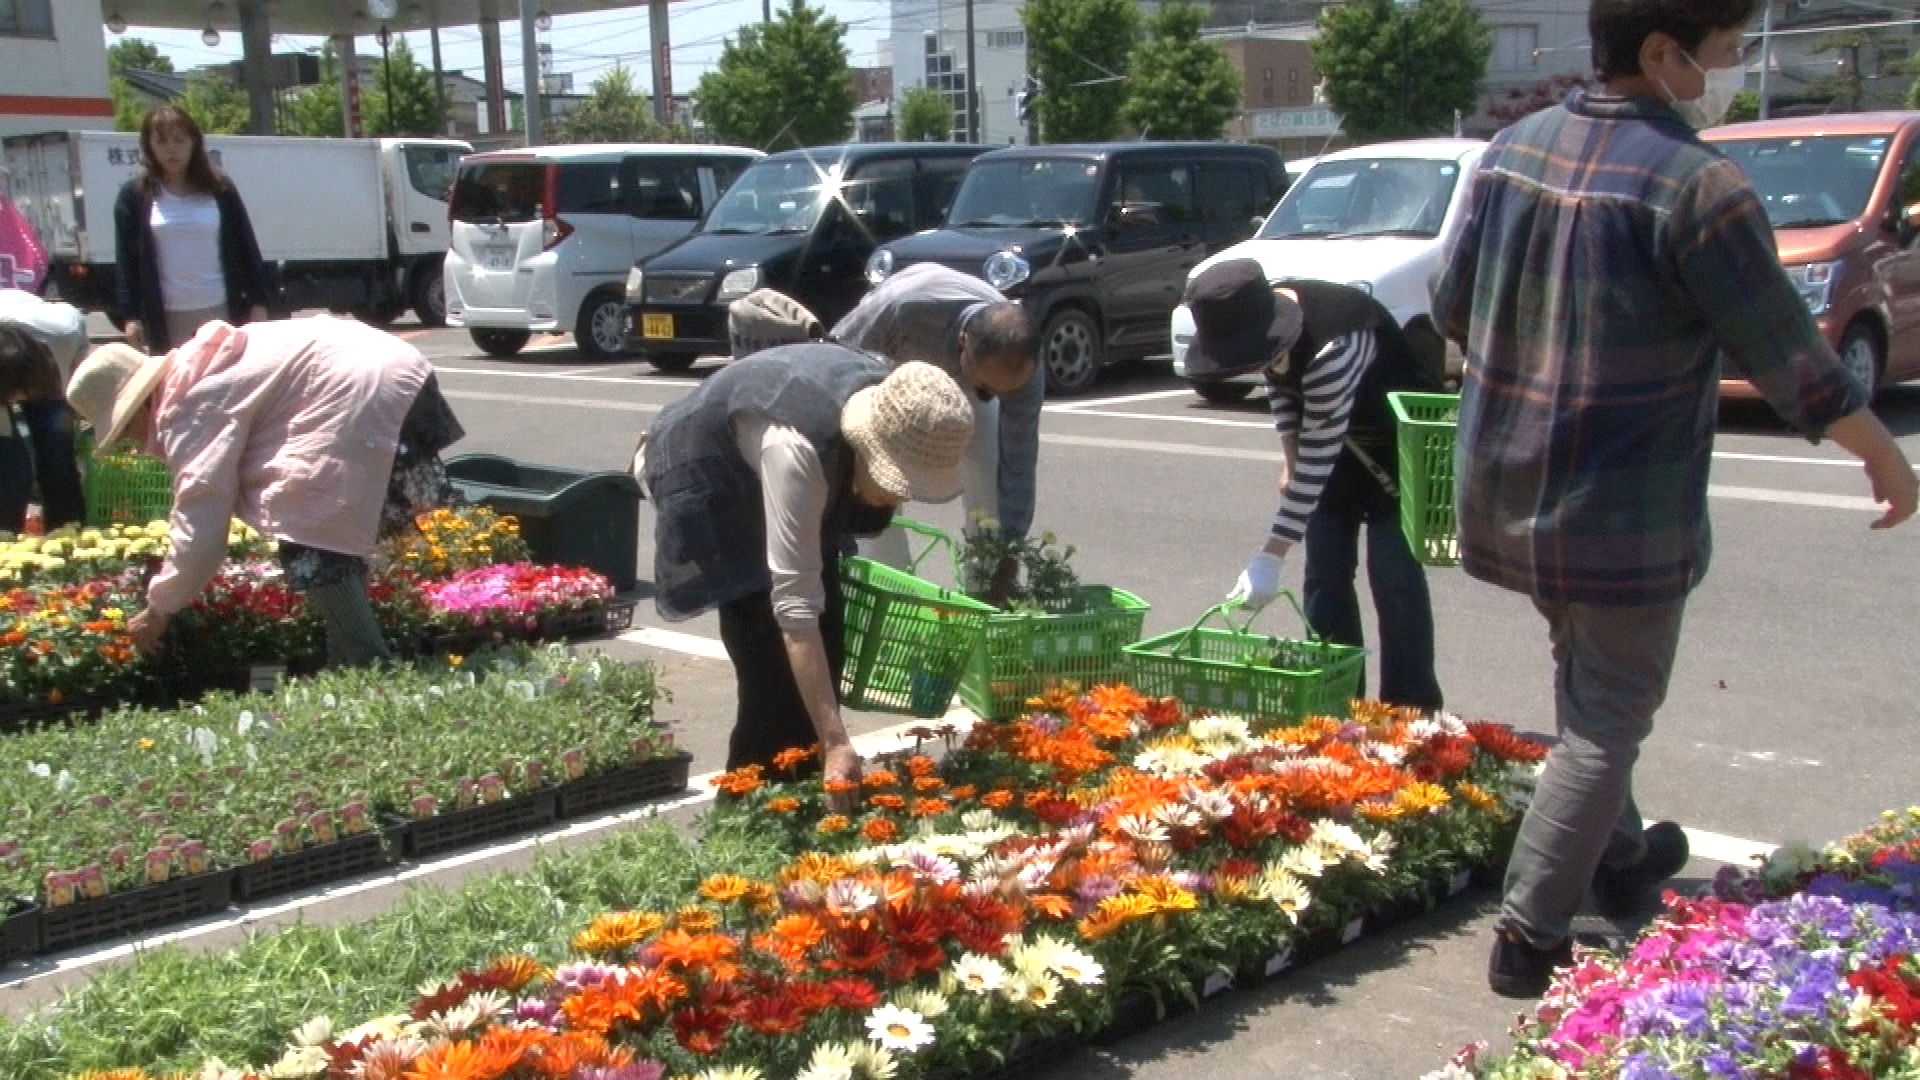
pixel 1097 403
pixel 1207 421
pixel 1727 849
pixel 621 380
pixel 673 641
pixel 572 403
pixel 1791 498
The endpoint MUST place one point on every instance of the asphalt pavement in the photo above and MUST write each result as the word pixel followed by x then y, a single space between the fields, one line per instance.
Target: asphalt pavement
pixel 1790 716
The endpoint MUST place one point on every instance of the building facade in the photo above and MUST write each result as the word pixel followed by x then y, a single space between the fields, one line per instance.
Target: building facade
pixel 929 48
pixel 53 67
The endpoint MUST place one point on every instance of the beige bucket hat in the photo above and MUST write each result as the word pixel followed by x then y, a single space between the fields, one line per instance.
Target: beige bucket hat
pixel 912 430
pixel 765 318
pixel 109 388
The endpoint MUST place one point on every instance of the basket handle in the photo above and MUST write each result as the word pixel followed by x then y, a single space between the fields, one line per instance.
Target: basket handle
pixel 1224 610
pixel 934 538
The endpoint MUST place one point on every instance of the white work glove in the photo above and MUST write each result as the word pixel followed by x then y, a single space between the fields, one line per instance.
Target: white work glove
pixel 1259 583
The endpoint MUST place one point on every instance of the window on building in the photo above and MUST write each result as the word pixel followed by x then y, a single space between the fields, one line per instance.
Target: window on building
pixel 26 18
pixel 1006 39
pixel 1293 75
pixel 1267 75
pixel 1266 95
pixel 1514 48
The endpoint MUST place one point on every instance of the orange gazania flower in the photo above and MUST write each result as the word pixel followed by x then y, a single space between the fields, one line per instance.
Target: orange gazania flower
pixel 569 1052
pixel 1503 744
pixel 709 954
pixel 880 778
pixel 1478 797
pixel 1052 905
pixel 880 830
pixel 1165 896
pixel 740 782
pixel 791 759
pixel 997 800
pixel 839 787
pixel 928 784
pixel 920 765
pixel 925 808
pixel 783 805
pixel 513 973
pixel 833 823
pixel 887 802
pixel 963 792
pixel 695 920
pixel 460 1061
pixel 597 1008
pixel 726 888
pixel 800 932
pixel 617 930
pixel 817 867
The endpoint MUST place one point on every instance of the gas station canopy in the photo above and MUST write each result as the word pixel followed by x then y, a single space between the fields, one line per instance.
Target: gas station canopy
pixel 329 17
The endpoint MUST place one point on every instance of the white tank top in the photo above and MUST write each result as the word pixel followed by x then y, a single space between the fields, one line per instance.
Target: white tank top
pixel 186 235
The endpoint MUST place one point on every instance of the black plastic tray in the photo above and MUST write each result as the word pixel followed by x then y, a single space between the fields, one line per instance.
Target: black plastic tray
pixel 134 911
pixel 477 824
pixel 349 856
pixel 624 786
pixel 20 933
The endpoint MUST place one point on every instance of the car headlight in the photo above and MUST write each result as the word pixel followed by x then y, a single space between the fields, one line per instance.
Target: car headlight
pixel 634 281
pixel 879 266
pixel 1815 282
pixel 738 284
pixel 1004 270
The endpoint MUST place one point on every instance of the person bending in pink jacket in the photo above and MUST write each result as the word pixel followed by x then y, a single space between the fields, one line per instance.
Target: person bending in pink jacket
pixel 322 433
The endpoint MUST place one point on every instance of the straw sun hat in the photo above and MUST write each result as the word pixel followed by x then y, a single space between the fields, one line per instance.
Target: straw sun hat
pixel 765 318
pixel 912 429
pixel 110 387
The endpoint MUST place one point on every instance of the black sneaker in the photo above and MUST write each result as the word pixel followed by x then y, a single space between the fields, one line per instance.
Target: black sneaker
pixel 1519 969
pixel 1624 891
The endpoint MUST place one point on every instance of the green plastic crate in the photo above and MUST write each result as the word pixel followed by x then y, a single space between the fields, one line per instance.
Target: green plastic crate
pixel 907 640
pixel 1426 426
pixel 1021 655
pixel 123 489
pixel 1235 670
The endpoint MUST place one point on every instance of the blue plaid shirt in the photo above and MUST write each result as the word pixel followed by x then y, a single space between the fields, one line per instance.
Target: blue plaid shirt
pixel 1607 260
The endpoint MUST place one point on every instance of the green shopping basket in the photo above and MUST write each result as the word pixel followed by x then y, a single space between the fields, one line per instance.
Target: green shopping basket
pixel 1022 654
pixel 1425 427
pixel 1237 671
pixel 123 488
pixel 907 640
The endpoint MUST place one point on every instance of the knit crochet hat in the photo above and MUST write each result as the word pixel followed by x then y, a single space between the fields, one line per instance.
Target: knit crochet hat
pixel 109 388
pixel 765 318
pixel 911 430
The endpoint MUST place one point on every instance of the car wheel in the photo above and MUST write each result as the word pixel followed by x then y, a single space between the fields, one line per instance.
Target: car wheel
pixel 1070 349
pixel 1860 353
pixel 600 330
pixel 1225 393
pixel 671 362
pixel 430 296
pixel 497 342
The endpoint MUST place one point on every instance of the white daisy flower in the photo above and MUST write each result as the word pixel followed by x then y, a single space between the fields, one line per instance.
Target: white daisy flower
pixel 928 1003
pixel 900 1029
pixel 733 1072
pixel 1176 816
pixel 873 1062
pixel 850 897
pixel 1141 829
pixel 979 974
pixel 1303 861
pixel 1034 991
pixel 1210 805
pixel 1076 967
pixel 1284 891
pixel 313 1032
pixel 1336 836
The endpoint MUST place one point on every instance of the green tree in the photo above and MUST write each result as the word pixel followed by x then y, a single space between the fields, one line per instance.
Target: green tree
pixel 1746 106
pixel 1180 87
pixel 314 111
pixel 1078 50
pixel 1394 71
pixel 138 54
pixel 616 111
pixel 782 84
pixel 926 115
pixel 215 103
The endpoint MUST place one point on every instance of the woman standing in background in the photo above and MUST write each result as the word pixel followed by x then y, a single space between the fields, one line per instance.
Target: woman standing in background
pixel 187 255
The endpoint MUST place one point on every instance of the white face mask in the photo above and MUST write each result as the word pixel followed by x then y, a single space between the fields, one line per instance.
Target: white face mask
pixel 1722 86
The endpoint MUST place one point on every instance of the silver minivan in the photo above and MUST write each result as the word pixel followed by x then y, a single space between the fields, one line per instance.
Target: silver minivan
pixel 543 238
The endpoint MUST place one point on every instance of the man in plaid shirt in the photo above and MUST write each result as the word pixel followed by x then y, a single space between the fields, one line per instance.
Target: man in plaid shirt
pixel 1608 260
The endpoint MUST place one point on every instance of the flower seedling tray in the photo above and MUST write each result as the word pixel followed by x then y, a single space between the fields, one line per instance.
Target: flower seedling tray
pixel 349 856
pixel 123 914
pixel 612 617
pixel 20 933
pixel 624 786
pixel 477 824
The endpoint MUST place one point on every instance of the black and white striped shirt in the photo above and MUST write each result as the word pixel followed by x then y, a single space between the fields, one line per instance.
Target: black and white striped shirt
pixel 1320 422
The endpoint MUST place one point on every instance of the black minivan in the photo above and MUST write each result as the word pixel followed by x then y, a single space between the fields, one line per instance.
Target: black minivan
pixel 803 222
pixel 1096 240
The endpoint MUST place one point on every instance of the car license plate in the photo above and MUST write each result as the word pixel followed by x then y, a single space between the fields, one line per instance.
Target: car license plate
pixel 499 259
pixel 656 326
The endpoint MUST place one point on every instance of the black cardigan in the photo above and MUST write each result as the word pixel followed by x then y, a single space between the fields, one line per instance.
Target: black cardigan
pixel 136 279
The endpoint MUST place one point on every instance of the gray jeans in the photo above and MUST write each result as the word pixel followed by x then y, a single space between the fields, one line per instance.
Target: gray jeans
pixel 1611 670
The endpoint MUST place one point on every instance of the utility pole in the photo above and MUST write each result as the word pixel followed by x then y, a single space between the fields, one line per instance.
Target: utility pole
pixel 973 89
pixel 386 75
pixel 530 73
pixel 1766 52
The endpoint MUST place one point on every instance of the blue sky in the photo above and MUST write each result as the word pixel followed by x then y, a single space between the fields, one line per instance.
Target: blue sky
pixel 586 45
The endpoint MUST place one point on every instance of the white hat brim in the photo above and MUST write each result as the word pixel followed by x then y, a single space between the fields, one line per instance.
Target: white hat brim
pixel 128 402
pixel 922 485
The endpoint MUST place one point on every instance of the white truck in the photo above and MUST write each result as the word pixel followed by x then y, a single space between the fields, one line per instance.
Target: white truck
pixel 349 225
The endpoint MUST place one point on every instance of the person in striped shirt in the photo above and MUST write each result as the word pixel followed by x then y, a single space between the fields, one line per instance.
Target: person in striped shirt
pixel 1330 355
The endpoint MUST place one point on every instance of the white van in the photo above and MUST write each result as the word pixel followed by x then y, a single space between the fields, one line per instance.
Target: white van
pixel 543 238
pixel 1371 217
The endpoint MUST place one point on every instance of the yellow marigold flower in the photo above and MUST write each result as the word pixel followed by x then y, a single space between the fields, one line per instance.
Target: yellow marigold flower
pixel 145 744
pixel 1165 896
pixel 517 970
pixel 1479 798
pixel 1421 798
pixel 617 930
